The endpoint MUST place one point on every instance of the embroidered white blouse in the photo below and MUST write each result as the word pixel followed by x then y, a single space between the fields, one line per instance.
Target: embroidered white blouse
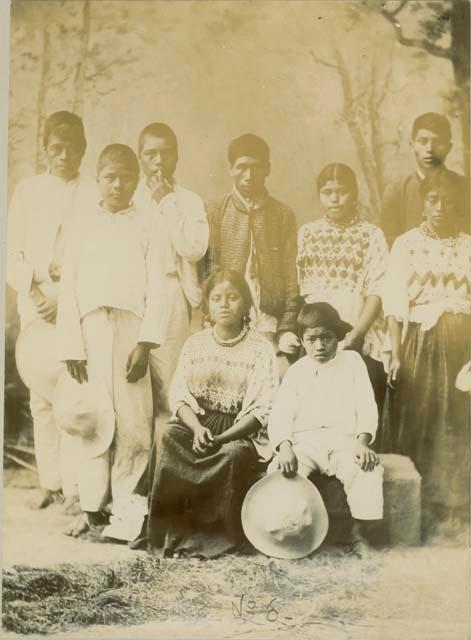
pixel 427 277
pixel 239 379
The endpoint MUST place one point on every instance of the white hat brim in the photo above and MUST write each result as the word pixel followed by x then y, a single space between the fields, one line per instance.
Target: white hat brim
pixel 275 487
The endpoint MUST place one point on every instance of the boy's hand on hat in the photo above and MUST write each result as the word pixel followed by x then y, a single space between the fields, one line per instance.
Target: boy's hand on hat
pixel 138 361
pixel 78 370
pixel 365 457
pixel 287 460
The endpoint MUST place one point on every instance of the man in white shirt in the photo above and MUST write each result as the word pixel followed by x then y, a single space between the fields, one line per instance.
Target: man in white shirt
pixel 325 417
pixel 40 213
pixel 181 219
pixel 112 313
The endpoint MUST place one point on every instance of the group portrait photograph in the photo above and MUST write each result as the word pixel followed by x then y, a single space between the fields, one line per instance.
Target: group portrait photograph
pixel 237 319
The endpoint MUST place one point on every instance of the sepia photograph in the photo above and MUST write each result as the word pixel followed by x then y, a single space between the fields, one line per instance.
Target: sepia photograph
pixel 237 319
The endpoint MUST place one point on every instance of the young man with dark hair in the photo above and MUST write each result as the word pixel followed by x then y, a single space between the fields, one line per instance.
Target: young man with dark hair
pixel 40 213
pixel 255 234
pixel 112 313
pixel 181 218
pixel 402 207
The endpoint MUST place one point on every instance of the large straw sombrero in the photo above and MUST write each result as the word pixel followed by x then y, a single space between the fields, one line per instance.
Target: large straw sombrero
pixel 284 517
pixel 36 358
pixel 81 413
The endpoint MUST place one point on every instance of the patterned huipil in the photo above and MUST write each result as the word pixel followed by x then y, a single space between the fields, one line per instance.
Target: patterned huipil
pixel 240 380
pixel 342 265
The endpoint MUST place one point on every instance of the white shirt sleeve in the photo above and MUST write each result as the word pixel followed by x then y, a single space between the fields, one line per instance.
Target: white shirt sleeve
pixel 281 421
pixel 395 293
pixel 179 393
pixel 19 271
pixel 187 224
pixel 70 341
pixel 156 312
pixel 366 408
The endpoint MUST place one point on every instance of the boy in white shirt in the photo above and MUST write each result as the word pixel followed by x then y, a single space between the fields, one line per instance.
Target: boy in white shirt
pixel 325 417
pixel 112 312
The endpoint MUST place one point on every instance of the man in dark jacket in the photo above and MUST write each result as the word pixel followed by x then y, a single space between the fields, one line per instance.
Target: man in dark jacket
pixel 402 202
pixel 255 234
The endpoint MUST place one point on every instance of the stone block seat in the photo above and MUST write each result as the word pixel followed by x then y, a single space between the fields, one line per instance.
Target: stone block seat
pixel 402 504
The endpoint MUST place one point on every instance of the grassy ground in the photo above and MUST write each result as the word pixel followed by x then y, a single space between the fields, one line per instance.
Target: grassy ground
pixel 417 594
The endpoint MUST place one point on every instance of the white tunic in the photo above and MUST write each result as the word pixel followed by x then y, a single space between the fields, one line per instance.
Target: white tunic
pixel 331 402
pixel 40 207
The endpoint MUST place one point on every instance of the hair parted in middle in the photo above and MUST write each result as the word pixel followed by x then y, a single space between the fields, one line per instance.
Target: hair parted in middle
pixel 118 153
pixel 236 279
pixel 341 173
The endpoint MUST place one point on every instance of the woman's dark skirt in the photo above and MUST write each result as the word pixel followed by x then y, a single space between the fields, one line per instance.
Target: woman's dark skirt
pixel 195 502
pixel 427 418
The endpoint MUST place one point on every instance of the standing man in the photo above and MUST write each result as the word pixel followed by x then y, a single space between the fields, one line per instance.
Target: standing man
pixel 402 202
pixel 255 234
pixel 41 211
pixel 181 217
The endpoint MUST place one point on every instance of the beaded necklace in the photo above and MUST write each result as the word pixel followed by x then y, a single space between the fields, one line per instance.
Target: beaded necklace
pixel 232 341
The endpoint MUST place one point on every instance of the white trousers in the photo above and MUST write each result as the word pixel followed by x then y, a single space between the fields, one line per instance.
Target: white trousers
pixel 55 457
pixel 364 489
pixel 164 360
pixel 110 335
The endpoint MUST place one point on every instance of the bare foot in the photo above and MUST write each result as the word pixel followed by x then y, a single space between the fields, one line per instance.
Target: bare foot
pixel 42 499
pixel 71 506
pixel 79 526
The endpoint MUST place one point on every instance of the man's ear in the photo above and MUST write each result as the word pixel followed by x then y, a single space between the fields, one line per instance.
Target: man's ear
pixel 268 169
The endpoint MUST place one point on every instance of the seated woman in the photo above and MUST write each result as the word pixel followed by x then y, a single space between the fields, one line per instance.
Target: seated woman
pixel 221 396
pixel 342 260
pixel 427 299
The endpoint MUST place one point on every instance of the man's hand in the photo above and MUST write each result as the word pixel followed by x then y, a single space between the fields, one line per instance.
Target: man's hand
pixel 138 361
pixel 78 370
pixel 288 343
pixel 203 441
pixel 365 457
pixel 287 460
pixel 353 341
pixel 47 309
pixel 393 371
pixel 159 186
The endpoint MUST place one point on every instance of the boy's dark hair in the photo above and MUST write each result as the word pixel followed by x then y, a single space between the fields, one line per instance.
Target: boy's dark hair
pixel 235 278
pixel 157 130
pixel 118 153
pixel 341 173
pixel 321 314
pixel 248 145
pixel 435 122
pixel 68 126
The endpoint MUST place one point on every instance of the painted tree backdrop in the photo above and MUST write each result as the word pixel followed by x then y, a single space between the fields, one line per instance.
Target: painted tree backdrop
pixel 322 81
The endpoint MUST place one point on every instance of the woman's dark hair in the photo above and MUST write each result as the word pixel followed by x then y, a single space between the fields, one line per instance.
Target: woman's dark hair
pixel 236 279
pixel 341 173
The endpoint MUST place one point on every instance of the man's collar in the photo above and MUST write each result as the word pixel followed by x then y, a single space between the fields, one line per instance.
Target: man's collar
pixel 422 175
pixel 130 212
pixel 246 204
